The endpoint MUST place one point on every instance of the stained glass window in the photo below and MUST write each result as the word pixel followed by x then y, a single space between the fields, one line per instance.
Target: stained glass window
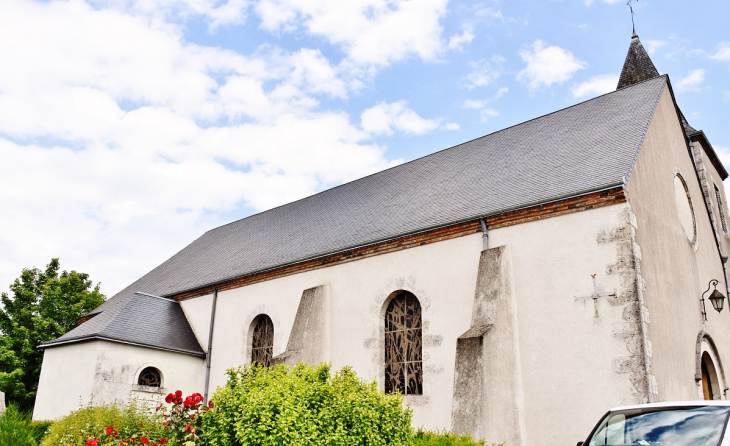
pixel 262 345
pixel 150 377
pixel 403 346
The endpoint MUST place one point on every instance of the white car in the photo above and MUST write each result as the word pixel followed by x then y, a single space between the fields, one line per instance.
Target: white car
pixel 681 423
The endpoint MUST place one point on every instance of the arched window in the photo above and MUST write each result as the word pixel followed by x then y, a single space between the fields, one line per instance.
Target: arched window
pixel 403 346
pixel 150 377
pixel 262 342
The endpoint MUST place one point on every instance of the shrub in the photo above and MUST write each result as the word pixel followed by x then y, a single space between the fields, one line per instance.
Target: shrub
pixel 15 428
pixel 182 418
pixel 425 438
pixel 303 406
pixel 39 429
pixel 132 420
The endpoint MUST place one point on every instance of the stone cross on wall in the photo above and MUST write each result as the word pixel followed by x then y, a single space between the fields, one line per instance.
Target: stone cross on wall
pixel 596 295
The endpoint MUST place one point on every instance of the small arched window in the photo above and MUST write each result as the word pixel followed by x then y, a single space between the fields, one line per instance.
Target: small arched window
pixel 403 345
pixel 150 377
pixel 262 342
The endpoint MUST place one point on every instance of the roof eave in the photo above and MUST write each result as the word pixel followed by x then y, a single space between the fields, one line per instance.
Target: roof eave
pixel 700 137
pixel 612 185
pixel 58 343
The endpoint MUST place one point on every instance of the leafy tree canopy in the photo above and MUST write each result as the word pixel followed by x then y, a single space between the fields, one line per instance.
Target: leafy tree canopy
pixel 41 306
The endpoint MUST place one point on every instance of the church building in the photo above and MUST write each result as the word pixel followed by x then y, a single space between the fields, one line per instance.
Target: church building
pixel 513 287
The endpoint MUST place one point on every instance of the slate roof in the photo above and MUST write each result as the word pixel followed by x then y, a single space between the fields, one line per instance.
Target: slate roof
pixel 638 66
pixel 587 147
pixel 141 320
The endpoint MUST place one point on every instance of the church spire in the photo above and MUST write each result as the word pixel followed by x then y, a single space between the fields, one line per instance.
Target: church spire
pixel 638 66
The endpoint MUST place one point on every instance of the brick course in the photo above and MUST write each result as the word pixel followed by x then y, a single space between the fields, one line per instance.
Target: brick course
pixel 511 218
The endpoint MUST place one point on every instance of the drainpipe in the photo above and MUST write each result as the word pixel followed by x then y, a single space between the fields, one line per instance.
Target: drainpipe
pixel 724 270
pixel 485 235
pixel 210 344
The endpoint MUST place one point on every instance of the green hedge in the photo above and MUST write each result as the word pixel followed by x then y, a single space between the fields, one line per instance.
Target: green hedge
pixel 304 406
pixel 426 438
pixel 16 428
pixel 91 422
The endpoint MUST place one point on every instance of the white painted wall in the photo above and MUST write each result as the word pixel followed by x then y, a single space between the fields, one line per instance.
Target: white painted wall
pixel 105 372
pixel 568 353
pixel 67 377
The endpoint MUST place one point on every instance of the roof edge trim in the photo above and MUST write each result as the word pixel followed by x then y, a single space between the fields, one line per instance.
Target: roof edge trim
pixel 612 185
pixel 646 127
pixel 50 344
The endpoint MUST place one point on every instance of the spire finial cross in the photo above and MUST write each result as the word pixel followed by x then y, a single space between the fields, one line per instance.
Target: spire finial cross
pixel 631 7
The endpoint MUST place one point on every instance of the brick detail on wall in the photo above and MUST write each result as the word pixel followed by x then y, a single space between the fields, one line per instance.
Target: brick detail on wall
pixel 511 218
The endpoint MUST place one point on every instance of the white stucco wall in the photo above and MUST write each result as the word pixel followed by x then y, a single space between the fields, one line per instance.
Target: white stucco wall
pixel 675 271
pixel 105 372
pixel 67 377
pixel 568 353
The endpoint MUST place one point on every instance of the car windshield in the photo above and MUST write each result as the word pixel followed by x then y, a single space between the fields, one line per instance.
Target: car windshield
pixel 670 426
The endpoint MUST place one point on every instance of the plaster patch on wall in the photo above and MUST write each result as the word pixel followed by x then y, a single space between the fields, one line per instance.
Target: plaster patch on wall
pixel 432 340
pixel 633 327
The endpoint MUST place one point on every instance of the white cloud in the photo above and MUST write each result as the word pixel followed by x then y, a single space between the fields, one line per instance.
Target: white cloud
pixel 384 118
pixel 371 32
pixel 501 92
pixel 484 72
pixel 547 65
pixel 653 45
pixel 692 81
pixel 595 86
pixel 487 113
pixel 457 41
pixel 723 52
pixel 118 139
pixel 217 12
pixel 475 104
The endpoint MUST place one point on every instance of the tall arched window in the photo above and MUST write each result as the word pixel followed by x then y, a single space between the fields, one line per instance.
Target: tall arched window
pixel 403 346
pixel 262 343
pixel 150 377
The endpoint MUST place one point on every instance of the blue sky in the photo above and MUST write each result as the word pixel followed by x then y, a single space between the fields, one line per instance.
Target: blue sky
pixel 128 128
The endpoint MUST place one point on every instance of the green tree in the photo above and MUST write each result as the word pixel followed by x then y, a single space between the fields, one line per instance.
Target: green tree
pixel 41 306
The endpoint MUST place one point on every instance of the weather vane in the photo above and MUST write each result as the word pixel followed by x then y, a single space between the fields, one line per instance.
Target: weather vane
pixel 633 25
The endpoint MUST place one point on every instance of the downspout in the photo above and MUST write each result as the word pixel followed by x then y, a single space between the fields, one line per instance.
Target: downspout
pixel 210 345
pixel 724 270
pixel 485 235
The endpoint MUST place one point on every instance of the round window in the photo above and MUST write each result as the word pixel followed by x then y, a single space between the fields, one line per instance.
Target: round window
pixel 684 208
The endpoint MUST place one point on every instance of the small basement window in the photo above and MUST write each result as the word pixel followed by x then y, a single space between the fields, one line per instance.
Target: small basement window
pixel 150 377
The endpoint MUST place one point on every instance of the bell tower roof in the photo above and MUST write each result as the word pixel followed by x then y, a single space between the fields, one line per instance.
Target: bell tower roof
pixel 638 66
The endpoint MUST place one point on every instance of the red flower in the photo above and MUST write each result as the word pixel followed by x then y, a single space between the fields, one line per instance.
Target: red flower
pixel 210 404
pixel 92 442
pixel 188 427
pixel 163 440
pixel 144 440
pixel 169 398
pixel 178 393
pixel 109 430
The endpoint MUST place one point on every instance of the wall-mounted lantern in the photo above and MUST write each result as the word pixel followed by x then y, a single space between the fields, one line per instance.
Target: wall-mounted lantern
pixel 716 298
